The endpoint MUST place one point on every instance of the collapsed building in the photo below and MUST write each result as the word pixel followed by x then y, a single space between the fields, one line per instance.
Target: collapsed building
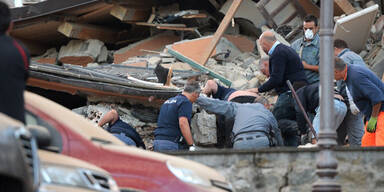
pixel 94 55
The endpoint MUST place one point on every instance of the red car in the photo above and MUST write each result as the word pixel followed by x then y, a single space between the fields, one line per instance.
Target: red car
pixel 75 136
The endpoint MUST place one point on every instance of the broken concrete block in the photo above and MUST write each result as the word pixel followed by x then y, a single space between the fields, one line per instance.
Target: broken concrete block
pixel 204 128
pixel 168 60
pixel 103 56
pixel 79 52
pixel 155 43
pixel 247 10
pixel 154 61
pixel 49 57
pixel 126 116
pixel 96 112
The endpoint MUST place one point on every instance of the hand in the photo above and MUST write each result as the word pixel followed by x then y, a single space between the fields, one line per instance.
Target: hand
pixel 192 147
pixel 353 108
pixel 254 90
pixel 371 127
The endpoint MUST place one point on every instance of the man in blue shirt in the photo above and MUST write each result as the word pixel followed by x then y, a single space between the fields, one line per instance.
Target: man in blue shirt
pixel 353 124
pixel 173 126
pixel 367 91
pixel 284 64
pixel 342 51
pixel 308 48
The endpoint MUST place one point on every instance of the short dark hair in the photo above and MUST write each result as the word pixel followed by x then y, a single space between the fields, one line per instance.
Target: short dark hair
pixel 192 86
pixel 339 64
pixel 310 18
pixel 5 17
pixel 341 44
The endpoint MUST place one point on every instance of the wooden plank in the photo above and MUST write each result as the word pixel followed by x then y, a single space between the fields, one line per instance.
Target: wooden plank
pixel 200 15
pixel 198 66
pixel 156 25
pixel 343 7
pixel 86 31
pixel 124 13
pixel 220 31
pixel 177 28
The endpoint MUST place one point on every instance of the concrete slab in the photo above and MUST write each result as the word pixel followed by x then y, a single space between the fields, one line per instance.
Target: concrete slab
pixel 355 28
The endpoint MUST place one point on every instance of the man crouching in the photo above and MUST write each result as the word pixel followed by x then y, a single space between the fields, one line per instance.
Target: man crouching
pixel 173 126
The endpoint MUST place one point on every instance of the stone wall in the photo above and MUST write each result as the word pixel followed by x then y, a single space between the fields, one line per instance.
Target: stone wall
pixel 293 169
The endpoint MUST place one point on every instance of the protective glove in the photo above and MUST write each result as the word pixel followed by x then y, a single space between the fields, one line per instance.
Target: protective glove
pixel 353 108
pixel 371 127
pixel 192 147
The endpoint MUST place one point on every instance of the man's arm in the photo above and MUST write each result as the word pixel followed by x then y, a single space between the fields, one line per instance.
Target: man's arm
pixel 185 130
pixel 217 106
pixel 310 67
pixel 276 73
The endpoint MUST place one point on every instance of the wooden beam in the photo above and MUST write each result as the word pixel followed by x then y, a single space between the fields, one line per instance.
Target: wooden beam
pixel 86 31
pixel 124 13
pixel 220 31
pixel 177 28
pixel 200 15
pixel 343 7
pixel 157 25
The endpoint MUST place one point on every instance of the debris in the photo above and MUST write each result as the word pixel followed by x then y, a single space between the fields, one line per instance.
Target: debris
pixel 203 126
pixel 155 43
pixel 209 49
pixel 189 51
pixel 49 57
pixel 125 13
pixel 88 31
pixel 343 7
pixel 355 28
pixel 79 52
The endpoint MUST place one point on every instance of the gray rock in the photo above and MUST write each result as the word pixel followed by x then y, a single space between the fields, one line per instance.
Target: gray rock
pixel 203 127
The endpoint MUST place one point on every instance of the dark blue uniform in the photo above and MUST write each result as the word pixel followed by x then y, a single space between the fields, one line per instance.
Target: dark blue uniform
pixel 167 133
pixel 14 63
pixel 126 133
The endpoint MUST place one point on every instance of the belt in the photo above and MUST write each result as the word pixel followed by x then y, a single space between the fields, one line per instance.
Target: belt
pixel 249 137
pixel 169 138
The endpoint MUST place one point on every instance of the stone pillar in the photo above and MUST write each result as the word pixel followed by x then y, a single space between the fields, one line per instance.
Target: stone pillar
pixel 326 162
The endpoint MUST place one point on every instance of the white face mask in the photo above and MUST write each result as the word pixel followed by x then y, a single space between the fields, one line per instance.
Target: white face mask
pixel 308 34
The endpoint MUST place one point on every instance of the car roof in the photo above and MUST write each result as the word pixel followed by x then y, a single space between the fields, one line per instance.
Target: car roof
pixel 73 121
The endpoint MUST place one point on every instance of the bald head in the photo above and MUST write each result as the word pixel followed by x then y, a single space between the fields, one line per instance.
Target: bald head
pixel 266 40
pixel 268 36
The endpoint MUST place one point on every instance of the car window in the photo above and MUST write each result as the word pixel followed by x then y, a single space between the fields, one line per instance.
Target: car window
pixel 56 140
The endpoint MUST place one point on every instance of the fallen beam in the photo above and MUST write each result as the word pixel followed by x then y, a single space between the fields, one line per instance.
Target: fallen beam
pixel 343 7
pixel 198 66
pixel 220 31
pixel 87 31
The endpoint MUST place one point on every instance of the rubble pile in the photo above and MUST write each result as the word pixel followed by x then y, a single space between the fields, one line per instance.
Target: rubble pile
pixel 176 36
